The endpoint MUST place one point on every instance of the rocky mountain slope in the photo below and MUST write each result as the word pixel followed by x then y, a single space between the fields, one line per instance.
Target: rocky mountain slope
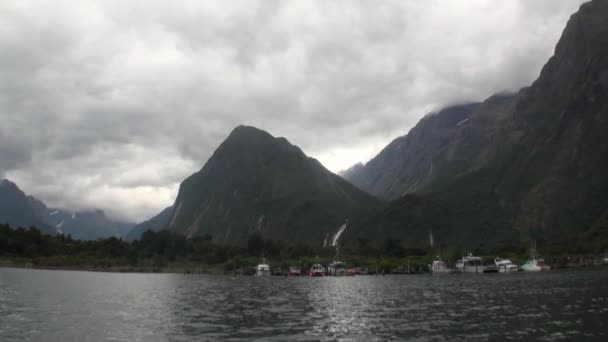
pixel 533 165
pixel 85 225
pixel 255 183
pixel 409 163
pixel 20 210
pixel 156 223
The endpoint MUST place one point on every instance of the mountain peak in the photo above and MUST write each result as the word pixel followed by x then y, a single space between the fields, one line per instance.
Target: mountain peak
pixel 256 183
pixel 8 185
pixel 247 142
pixel 249 133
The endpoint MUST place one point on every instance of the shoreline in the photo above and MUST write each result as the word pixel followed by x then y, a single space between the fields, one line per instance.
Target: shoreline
pixel 177 269
pixel 206 269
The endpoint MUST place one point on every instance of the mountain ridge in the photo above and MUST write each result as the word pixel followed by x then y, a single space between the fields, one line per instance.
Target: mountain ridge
pixel 530 164
pixel 21 210
pixel 256 183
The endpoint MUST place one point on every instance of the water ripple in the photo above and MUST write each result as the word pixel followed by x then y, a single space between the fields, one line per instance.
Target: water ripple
pixel 57 306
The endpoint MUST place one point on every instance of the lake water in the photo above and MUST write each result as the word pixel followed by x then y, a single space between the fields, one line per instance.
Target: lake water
pixel 39 305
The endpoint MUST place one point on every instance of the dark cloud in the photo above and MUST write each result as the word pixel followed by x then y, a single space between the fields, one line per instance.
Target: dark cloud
pixel 111 104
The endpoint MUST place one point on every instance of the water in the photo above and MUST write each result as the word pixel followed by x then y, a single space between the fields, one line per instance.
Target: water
pixel 38 305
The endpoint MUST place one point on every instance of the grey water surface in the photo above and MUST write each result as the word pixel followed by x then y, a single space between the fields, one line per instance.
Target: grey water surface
pixel 40 305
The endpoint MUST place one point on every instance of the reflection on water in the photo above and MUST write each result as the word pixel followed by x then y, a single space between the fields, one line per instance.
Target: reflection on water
pixel 41 305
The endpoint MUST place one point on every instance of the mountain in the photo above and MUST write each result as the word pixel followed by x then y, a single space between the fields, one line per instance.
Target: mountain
pixel 85 225
pixel 20 210
pixel 408 163
pixel 530 165
pixel 156 223
pixel 255 183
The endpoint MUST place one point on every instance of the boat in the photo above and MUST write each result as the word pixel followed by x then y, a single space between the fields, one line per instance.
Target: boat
pixel 262 269
pixel 535 265
pixel 439 267
pixel 336 269
pixel 505 265
pixel 294 271
pixel 474 264
pixel 317 270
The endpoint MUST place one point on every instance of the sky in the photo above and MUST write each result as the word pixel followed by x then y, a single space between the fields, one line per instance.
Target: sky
pixel 111 104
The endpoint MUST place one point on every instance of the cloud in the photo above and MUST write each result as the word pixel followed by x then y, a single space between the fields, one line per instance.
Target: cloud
pixel 111 104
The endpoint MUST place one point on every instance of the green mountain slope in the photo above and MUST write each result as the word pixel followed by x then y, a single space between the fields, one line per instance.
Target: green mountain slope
pixel 255 183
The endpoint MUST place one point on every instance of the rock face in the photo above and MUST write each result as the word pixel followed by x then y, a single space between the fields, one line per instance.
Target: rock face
pixel 532 164
pixel 85 225
pixel 155 224
pixel 20 210
pixel 409 163
pixel 256 183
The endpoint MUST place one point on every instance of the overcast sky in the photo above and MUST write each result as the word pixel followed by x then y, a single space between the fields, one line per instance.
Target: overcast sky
pixel 111 104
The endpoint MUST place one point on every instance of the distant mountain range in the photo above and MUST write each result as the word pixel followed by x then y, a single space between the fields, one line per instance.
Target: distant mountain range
pixel 20 210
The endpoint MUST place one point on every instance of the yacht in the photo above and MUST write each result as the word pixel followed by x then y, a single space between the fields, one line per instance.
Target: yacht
pixel 474 264
pixel 439 267
pixel 336 268
pixel 262 269
pixel 535 265
pixel 505 265
pixel 317 270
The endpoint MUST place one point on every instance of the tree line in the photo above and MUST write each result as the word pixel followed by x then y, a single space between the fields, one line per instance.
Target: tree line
pixel 157 250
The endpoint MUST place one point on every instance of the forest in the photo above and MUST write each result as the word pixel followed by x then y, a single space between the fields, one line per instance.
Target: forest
pixel 165 251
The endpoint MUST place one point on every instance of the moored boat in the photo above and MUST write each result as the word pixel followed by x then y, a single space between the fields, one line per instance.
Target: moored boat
pixel 336 269
pixel 505 265
pixel 294 271
pixel 439 267
pixel 262 269
pixel 317 270
pixel 474 264
pixel 535 265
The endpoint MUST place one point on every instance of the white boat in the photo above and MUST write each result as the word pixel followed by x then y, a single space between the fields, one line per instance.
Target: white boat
pixel 262 269
pixel 535 265
pixel 474 264
pixel 439 267
pixel 337 269
pixel 317 270
pixel 505 265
